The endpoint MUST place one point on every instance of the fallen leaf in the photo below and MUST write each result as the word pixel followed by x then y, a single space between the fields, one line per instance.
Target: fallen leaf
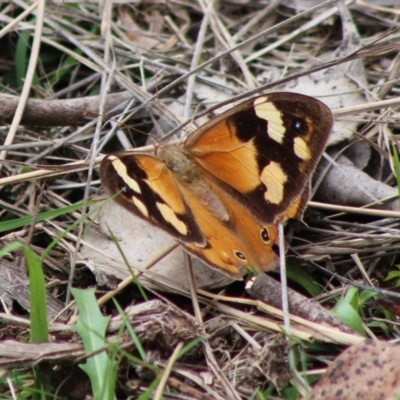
pixel 369 370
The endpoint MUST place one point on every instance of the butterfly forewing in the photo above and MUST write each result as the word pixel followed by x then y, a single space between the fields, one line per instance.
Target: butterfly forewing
pixel 145 186
pixel 264 151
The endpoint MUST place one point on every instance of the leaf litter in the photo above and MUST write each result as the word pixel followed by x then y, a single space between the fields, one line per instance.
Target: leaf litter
pixel 140 56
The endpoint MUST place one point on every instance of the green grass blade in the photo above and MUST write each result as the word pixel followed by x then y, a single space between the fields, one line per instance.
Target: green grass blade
pixel 38 316
pixel 10 248
pixel 26 221
pixel 301 277
pixel 38 300
pixel 148 394
pixel 21 57
pixel 396 165
pixel 131 331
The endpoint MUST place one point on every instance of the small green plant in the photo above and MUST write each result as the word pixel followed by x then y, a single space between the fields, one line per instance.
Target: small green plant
pixel 349 309
pixel 91 326
pixel 394 275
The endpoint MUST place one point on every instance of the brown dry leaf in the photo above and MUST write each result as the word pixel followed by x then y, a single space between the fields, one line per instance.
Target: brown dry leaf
pixel 369 370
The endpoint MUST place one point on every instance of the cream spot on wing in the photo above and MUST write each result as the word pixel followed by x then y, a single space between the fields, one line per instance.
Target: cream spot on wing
pixel 266 110
pixel 274 179
pixel 140 206
pixel 169 215
pixel 301 149
pixel 121 170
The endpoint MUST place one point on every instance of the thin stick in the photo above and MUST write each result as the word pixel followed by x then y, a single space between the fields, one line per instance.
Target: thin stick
pixel 282 265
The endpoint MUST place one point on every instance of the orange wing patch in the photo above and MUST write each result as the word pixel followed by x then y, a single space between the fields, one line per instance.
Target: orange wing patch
pixel 162 182
pixel 222 154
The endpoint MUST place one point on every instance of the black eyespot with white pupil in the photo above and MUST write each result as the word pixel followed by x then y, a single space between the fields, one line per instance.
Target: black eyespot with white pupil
pixel 239 255
pixel 299 126
pixel 264 235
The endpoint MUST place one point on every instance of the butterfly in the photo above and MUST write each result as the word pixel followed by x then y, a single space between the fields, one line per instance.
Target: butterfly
pixel 223 191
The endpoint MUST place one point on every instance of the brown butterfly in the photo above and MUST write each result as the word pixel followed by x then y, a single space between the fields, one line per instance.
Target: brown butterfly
pixel 222 193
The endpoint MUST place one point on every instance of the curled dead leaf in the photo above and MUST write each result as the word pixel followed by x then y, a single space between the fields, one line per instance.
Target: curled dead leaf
pixel 368 370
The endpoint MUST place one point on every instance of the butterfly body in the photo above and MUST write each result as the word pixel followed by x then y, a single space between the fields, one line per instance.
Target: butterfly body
pixel 222 193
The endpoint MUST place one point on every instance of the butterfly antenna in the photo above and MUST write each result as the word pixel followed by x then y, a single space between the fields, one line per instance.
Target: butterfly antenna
pixel 153 139
pixel 192 125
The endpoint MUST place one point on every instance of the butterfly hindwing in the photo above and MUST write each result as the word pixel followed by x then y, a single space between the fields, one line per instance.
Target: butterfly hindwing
pixel 236 243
